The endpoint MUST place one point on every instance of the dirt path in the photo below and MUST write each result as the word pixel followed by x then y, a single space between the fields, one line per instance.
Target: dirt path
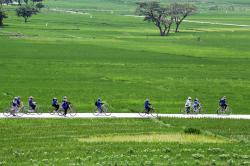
pixel 132 115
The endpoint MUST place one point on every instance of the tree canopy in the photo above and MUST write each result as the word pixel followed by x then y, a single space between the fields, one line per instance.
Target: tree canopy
pixel 164 16
pixel 26 11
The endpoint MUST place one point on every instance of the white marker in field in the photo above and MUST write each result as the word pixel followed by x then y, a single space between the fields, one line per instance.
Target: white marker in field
pixel 46 24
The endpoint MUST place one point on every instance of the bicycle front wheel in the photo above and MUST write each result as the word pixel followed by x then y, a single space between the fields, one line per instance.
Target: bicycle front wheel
pixel 106 111
pixel 72 112
pixel 7 112
pixel 154 113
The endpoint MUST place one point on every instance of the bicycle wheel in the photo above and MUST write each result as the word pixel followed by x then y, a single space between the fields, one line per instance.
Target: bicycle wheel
pixel 20 112
pixel 72 111
pixel 143 113
pixel 183 110
pixel 221 111
pixel 228 110
pixel 7 112
pixel 60 112
pixel 38 111
pixel 106 111
pixel 154 113
pixel 96 112
pixel 52 111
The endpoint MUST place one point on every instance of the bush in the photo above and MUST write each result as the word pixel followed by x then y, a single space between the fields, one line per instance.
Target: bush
pixel 191 130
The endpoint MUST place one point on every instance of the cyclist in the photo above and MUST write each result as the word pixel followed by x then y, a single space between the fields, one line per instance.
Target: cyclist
pixel 19 103
pixel 55 104
pixel 99 105
pixel 65 105
pixel 14 106
pixel 188 104
pixel 147 106
pixel 32 103
pixel 223 103
pixel 196 105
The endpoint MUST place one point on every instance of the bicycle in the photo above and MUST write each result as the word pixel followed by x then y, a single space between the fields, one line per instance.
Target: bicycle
pixel 13 112
pixel 222 110
pixel 71 111
pixel 29 110
pixel 153 112
pixel 186 110
pixel 198 110
pixel 52 110
pixel 104 111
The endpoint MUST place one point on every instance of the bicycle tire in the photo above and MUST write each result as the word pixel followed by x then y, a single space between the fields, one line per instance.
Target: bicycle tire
pixel 96 112
pixel 154 113
pixel 143 113
pixel 106 111
pixel 72 112
pixel 7 112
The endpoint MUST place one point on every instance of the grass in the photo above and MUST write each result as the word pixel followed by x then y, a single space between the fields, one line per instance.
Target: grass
pixel 122 142
pixel 122 60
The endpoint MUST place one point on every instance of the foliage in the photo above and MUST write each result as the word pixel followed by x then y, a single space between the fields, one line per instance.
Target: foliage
pixel 180 11
pixel 153 12
pixel 26 11
pixel 39 6
pixel 191 130
pixel 3 15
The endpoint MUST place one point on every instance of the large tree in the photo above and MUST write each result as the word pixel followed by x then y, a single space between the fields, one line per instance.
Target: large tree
pixel 160 16
pixel 26 11
pixel 3 15
pixel 180 12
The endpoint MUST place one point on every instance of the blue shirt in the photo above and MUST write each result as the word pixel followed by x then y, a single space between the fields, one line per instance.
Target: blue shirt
pixel 147 104
pixel 65 105
pixel 222 102
pixel 31 102
pixel 99 104
pixel 54 102
pixel 14 103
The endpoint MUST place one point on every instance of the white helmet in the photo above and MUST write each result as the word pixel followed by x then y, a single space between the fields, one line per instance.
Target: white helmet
pixel 189 98
pixel 31 97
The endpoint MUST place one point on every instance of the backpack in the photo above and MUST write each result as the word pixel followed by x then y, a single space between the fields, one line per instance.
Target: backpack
pixel 96 103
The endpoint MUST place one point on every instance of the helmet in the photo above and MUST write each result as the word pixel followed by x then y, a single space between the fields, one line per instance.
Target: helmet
pixel 65 97
pixel 99 99
pixel 54 98
pixel 15 98
pixel 147 99
pixel 189 98
pixel 31 97
pixel 196 99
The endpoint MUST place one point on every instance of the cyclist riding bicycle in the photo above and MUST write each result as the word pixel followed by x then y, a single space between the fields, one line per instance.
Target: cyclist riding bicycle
pixel 19 103
pixel 196 105
pixel 223 103
pixel 147 106
pixel 99 105
pixel 65 105
pixel 32 103
pixel 14 106
pixel 55 104
pixel 188 104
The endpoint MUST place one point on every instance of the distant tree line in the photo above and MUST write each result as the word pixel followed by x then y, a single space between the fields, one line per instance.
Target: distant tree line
pixel 25 9
pixel 163 17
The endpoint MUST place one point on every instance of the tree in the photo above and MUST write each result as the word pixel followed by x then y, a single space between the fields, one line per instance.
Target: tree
pixel 3 15
pixel 26 11
pixel 39 6
pixel 160 16
pixel 180 12
pixel 36 1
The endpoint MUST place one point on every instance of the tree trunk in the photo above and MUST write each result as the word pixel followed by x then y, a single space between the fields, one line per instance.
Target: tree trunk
pixel 1 22
pixel 177 27
pixel 19 2
pixel 25 19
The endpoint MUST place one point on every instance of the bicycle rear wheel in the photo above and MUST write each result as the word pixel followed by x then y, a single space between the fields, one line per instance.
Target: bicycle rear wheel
pixel 143 113
pixel 96 112
pixel 60 112
pixel 7 112
pixel 183 110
